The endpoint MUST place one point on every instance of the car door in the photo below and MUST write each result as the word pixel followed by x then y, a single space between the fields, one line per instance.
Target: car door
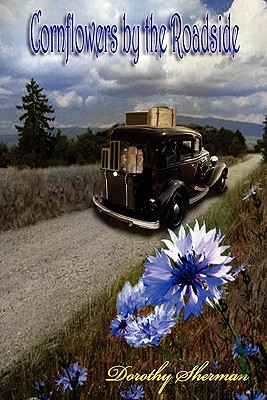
pixel 188 164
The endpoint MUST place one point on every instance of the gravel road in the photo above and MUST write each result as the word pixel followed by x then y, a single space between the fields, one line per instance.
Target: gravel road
pixel 50 269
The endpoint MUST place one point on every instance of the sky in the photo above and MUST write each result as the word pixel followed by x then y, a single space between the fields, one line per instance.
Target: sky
pixel 90 91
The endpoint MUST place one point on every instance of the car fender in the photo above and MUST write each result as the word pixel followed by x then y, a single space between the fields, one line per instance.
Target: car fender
pixel 219 170
pixel 166 194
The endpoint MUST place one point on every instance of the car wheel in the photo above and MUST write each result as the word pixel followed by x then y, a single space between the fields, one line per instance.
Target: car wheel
pixel 176 211
pixel 221 184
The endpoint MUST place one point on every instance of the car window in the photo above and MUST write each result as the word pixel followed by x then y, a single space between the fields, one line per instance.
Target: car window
pixel 179 150
pixel 196 147
pixel 185 150
pixel 170 154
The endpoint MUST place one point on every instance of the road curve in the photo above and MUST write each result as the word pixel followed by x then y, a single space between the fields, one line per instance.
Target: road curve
pixel 49 270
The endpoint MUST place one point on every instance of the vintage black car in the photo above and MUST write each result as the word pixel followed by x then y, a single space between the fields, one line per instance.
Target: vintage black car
pixel 150 174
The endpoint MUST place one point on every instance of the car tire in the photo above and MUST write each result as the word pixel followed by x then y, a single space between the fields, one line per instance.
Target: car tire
pixel 221 184
pixel 176 210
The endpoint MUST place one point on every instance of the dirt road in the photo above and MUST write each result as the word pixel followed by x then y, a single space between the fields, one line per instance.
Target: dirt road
pixel 47 271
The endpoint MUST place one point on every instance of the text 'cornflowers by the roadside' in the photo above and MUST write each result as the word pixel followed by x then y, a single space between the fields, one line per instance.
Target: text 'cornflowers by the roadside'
pixel 182 277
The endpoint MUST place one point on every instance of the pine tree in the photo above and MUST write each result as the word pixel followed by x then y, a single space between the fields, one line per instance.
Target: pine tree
pixel 85 147
pixel 61 149
pixel 35 139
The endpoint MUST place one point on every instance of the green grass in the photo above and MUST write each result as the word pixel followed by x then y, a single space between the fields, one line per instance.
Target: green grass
pixel 87 338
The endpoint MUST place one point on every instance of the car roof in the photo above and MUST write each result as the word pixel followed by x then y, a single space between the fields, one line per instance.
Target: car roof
pixel 143 134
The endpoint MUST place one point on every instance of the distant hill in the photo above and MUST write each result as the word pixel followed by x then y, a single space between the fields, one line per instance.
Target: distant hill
pixel 248 129
pixel 251 131
pixel 10 139
pixel 71 132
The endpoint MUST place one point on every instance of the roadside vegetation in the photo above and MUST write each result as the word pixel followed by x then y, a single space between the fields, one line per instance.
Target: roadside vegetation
pixel 31 195
pixel 261 145
pixel 88 341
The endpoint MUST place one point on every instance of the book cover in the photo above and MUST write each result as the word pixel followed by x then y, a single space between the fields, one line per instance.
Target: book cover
pixel 119 120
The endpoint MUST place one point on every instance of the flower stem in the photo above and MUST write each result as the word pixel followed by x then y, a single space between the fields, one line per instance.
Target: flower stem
pixel 244 364
pixel 169 355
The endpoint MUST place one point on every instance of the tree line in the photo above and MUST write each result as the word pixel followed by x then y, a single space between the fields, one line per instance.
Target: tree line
pixel 56 150
pixel 40 146
pixel 222 141
pixel 262 143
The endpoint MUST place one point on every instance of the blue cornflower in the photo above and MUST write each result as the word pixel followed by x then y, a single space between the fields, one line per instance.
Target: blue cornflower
pixel 189 272
pixel 129 301
pixel 240 269
pixel 39 384
pixel 252 191
pixel 135 392
pixel 250 350
pixel 150 329
pixel 216 365
pixel 247 396
pixel 72 377
pixel 118 325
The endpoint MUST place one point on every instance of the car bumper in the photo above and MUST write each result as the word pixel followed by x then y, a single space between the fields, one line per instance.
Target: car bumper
pixel 129 220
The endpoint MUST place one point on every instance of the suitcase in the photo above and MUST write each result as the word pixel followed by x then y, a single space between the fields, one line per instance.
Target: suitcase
pixel 159 117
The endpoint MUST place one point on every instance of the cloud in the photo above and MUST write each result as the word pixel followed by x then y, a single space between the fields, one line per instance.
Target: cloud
pixel 4 92
pixel 89 100
pixel 4 83
pixel 67 100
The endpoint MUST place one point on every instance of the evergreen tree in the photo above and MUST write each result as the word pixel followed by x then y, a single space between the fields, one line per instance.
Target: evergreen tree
pixel 61 149
pixel 85 144
pixel 35 139
pixel 15 156
pixel 239 146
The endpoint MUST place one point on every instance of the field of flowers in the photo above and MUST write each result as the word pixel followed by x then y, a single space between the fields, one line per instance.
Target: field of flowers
pixel 190 323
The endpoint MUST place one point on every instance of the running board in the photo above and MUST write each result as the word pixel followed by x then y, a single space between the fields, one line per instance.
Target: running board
pixel 198 194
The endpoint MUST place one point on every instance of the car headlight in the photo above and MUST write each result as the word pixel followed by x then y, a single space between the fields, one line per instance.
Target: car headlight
pixel 213 160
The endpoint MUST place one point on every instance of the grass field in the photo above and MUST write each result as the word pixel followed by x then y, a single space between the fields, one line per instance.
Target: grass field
pixel 87 338
pixel 30 195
